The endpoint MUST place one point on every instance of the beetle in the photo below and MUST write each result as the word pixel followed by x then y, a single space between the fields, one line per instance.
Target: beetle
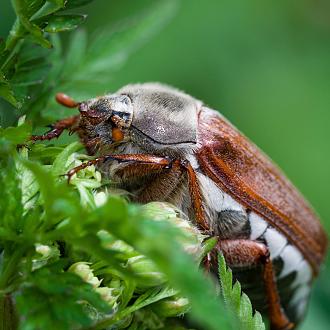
pixel 161 144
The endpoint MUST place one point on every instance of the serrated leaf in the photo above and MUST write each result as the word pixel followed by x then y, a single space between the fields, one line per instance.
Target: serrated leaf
pixel 58 167
pixel 149 297
pixel 237 301
pixel 64 23
pixel 155 240
pixel 28 186
pixel 16 135
pixel 57 201
pixel 56 297
pixel 7 93
pixel 11 208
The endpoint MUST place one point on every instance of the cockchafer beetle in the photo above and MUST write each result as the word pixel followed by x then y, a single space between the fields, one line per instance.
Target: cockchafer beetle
pixel 161 144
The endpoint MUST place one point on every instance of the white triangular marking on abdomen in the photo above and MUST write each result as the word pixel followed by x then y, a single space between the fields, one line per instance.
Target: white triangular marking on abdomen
pixel 291 258
pixel 300 299
pixel 304 274
pixel 257 224
pixel 275 242
pixel 213 196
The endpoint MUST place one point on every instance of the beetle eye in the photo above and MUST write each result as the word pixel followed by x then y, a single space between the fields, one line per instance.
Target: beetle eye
pixel 118 119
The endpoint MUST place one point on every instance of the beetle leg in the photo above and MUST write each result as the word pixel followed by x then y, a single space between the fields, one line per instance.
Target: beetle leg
pixel 196 196
pixel 164 184
pixel 162 162
pixel 175 165
pixel 247 253
pixel 56 129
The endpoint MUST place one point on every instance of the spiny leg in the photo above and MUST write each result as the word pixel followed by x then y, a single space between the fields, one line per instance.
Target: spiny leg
pixel 247 253
pixel 162 162
pixel 57 129
pixel 163 186
pixel 196 197
pixel 66 123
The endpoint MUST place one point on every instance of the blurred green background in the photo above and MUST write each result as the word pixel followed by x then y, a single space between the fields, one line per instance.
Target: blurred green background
pixel 264 64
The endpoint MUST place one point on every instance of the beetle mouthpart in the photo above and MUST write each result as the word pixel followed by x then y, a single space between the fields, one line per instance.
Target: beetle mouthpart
pixel 117 134
pixel 66 100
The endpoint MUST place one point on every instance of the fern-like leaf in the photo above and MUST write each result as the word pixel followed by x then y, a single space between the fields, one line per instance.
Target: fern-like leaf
pixel 237 301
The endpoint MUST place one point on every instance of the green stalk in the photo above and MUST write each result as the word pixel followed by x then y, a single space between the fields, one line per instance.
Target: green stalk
pixel 8 314
pixel 10 267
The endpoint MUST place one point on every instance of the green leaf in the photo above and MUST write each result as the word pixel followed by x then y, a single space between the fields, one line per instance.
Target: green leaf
pixel 237 303
pixel 58 167
pixel 76 52
pixel 109 51
pixel 155 239
pixel 7 93
pixel 77 3
pixel 149 297
pixel 64 23
pixel 30 7
pixel 37 34
pixel 54 299
pixel 11 208
pixel 47 9
pixel 57 199
pixel 58 2
pixel 16 135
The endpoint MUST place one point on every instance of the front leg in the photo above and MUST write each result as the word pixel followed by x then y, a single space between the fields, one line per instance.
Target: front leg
pixel 57 129
pixel 154 162
pixel 246 253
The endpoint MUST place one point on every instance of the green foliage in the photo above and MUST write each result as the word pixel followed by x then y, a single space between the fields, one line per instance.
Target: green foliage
pixel 236 301
pixel 21 70
pixel 41 214
pixel 28 71
pixel 78 255
pixel 50 298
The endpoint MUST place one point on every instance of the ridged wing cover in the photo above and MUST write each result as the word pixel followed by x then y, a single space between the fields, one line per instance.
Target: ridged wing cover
pixel 237 166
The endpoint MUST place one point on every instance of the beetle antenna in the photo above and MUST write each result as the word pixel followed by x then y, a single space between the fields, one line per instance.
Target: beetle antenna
pixel 66 100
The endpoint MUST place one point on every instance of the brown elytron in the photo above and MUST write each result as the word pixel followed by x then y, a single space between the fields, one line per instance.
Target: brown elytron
pixel 164 145
pixel 242 170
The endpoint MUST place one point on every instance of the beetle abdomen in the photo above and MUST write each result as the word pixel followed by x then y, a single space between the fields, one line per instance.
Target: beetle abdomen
pixel 292 271
pixel 230 220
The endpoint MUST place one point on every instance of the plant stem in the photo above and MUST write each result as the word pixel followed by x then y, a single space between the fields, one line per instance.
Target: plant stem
pixel 8 315
pixel 10 267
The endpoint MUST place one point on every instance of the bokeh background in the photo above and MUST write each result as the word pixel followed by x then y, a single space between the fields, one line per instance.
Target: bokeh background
pixel 264 64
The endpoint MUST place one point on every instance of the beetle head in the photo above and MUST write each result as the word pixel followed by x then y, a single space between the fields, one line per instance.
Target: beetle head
pixel 106 119
pixel 151 116
pixel 116 108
